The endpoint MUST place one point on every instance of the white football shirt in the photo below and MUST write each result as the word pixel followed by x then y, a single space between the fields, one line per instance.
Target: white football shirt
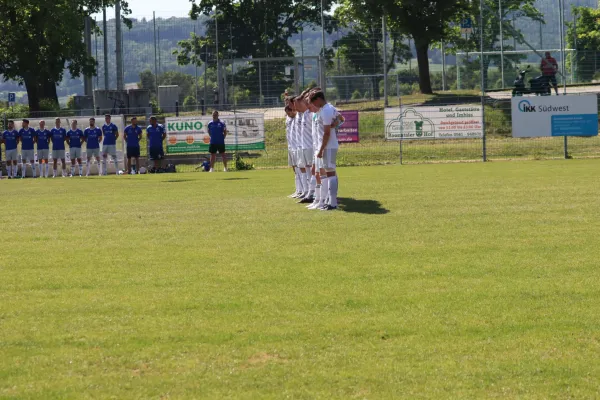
pixel 326 117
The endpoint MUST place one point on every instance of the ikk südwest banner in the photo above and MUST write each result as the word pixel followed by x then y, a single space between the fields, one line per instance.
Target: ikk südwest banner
pixel 539 116
pixel 440 122
pixel 190 134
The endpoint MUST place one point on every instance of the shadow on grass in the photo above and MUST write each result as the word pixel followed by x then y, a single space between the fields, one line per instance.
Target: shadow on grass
pixel 234 179
pixel 362 206
pixel 179 180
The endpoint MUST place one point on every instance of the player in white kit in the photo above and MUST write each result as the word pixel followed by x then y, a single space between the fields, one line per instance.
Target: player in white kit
pixel 289 127
pixel 327 150
pixel 306 149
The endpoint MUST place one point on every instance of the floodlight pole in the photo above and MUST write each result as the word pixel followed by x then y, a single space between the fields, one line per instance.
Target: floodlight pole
pixel 482 80
pixel 385 69
pixel 501 41
pixel 323 60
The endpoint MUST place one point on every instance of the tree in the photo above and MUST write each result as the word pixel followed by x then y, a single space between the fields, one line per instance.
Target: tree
pixel 426 21
pixel 491 32
pixel 262 29
pixel 584 37
pixel 39 38
pixel 148 81
pixel 362 48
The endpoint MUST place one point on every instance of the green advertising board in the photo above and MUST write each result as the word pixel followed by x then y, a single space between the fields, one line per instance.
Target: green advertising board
pixel 190 134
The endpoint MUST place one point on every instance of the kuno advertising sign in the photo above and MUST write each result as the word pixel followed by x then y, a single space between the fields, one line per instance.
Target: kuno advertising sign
pixel 554 116
pixel 190 134
pixel 442 122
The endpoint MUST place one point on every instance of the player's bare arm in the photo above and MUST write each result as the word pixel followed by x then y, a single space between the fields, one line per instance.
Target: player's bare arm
pixel 326 135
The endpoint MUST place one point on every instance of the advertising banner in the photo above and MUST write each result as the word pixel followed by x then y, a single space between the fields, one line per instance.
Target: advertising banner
pixel 190 134
pixel 540 116
pixel 348 132
pixel 434 122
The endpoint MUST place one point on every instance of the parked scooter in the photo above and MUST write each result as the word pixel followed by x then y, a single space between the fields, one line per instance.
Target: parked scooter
pixel 540 86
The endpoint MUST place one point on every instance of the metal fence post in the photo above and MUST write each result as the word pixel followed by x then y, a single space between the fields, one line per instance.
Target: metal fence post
pixel 483 138
pixel 566 148
pixel 177 109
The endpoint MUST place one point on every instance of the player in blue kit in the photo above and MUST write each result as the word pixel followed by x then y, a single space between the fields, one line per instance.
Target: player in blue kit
pixel 59 135
pixel 43 139
pixel 133 135
pixel 110 132
pixel 92 136
pixel 217 130
pixel 27 138
pixel 156 135
pixel 10 138
pixel 74 139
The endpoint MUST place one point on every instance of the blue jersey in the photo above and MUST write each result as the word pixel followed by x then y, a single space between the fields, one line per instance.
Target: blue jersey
pixel 27 136
pixel 110 134
pixel 58 138
pixel 92 137
pixel 75 138
pixel 10 139
pixel 133 135
pixel 43 137
pixel 217 132
pixel 155 135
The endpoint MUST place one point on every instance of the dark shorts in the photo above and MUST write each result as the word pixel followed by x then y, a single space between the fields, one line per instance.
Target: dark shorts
pixel 133 151
pixel 552 80
pixel 156 153
pixel 216 148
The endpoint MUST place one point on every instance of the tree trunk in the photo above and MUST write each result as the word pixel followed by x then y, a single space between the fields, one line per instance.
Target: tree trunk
pixel 486 67
pixel 48 92
pixel 33 96
pixel 375 83
pixel 422 47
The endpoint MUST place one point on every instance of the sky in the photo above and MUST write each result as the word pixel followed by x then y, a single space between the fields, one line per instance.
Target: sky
pixel 164 9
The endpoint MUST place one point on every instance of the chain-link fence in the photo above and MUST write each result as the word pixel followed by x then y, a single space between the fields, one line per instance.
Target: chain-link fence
pixel 373 148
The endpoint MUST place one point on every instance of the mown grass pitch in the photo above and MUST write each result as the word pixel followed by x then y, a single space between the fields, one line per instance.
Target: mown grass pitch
pixel 437 281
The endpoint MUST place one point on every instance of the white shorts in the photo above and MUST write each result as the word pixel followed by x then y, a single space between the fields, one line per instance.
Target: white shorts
pixel 305 157
pixel 43 154
pixel 291 158
pixel 110 149
pixel 27 156
pixel 92 153
pixel 58 154
pixel 328 162
pixel 11 155
pixel 75 153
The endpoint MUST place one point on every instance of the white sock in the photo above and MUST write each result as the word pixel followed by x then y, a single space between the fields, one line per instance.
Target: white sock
pixel 54 172
pixel 333 191
pixel 306 180
pixel 313 184
pixel 47 170
pixel 33 168
pixel 9 171
pixel 80 169
pixel 318 193
pixel 298 186
pixel 104 170
pixel 116 166
pixel 15 169
pixel 303 183
pixel 324 190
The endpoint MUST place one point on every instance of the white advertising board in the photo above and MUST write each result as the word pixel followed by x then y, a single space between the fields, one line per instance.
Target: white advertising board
pixel 539 116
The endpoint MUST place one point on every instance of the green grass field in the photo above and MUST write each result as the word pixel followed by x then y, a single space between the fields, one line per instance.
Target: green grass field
pixel 433 281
